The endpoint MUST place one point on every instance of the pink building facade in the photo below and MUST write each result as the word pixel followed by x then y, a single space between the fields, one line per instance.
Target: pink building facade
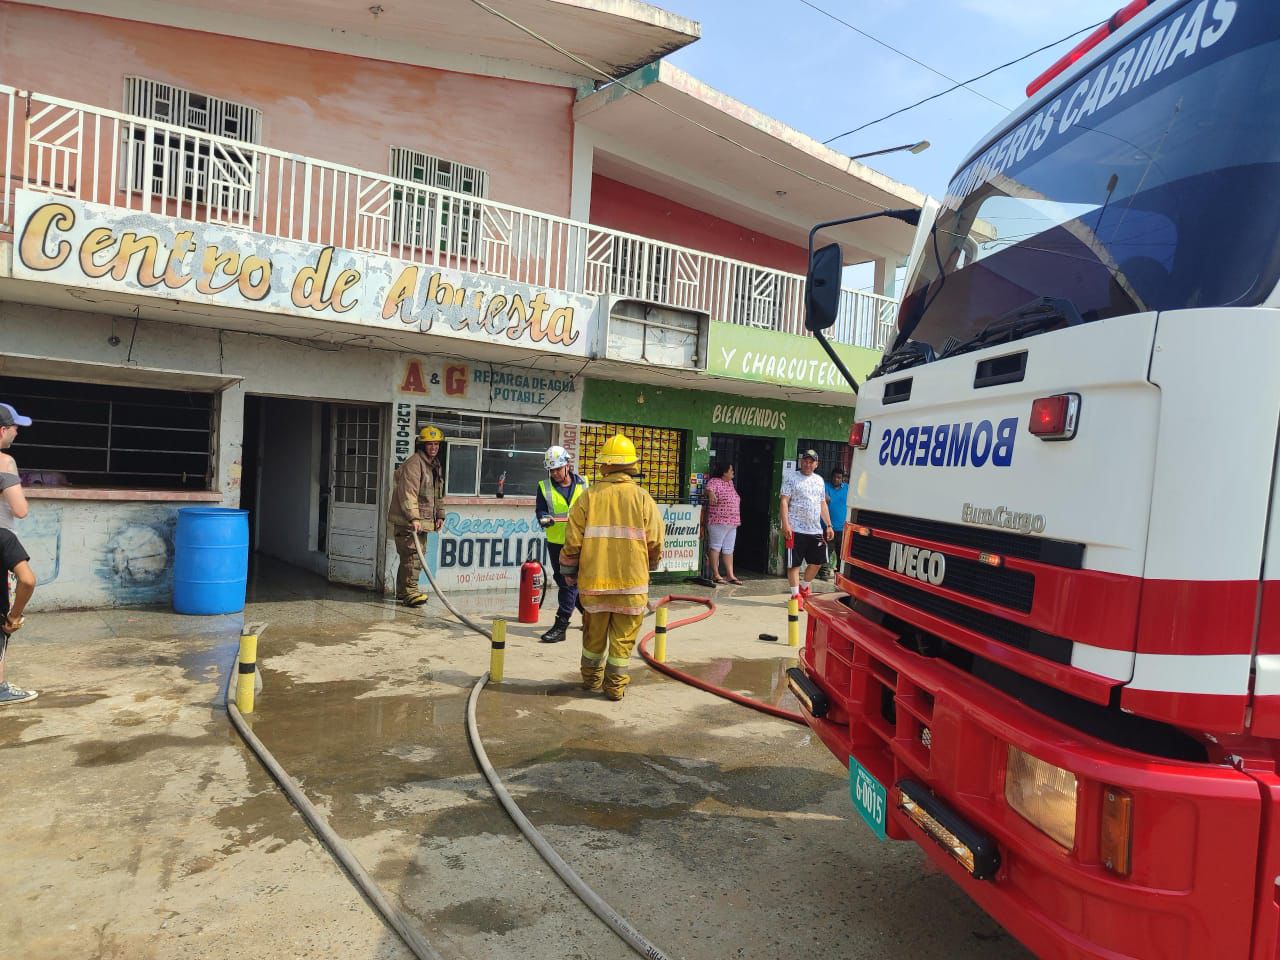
pixel 243 260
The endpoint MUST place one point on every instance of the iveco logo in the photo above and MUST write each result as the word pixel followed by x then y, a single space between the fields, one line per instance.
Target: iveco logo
pixel 927 566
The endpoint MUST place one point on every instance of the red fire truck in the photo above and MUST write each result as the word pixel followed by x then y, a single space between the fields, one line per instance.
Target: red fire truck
pixel 1054 660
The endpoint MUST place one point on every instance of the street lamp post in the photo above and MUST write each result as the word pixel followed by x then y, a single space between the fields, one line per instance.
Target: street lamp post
pixel 919 147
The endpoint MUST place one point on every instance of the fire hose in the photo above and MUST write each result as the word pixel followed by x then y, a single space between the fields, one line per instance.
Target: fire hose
pixel 393 916
pixel 754 704
pixel 614 920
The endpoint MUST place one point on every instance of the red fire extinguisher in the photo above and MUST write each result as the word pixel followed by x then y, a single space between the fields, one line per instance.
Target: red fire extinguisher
pixel 531 582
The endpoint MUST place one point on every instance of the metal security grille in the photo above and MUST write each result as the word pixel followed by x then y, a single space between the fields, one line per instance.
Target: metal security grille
pixel 640 269
pixel 190 168
pixel 1057 649
pixel 831 454
pixel 661 456
pixel 758 298
pixel 1008 588
pixel 1058 553
pixel 98 435
pixel 415 212
pixel 357 438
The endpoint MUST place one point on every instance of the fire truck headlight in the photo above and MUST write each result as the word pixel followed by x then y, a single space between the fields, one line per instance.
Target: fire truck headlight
pixel 1043 794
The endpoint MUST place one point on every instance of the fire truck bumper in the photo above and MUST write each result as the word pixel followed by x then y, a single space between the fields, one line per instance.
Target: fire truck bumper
pixel 938 741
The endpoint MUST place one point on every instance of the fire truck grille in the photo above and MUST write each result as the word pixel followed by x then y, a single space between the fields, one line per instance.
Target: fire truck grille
pixel 1014 589
pixel 1056 649
pixel 1057 553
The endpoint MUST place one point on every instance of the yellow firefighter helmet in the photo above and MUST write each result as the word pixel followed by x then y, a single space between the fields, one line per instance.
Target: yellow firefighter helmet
pixel 617 451
pixel 430 435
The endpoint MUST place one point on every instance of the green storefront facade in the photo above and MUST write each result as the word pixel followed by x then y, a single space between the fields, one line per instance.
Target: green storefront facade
pixel 756 434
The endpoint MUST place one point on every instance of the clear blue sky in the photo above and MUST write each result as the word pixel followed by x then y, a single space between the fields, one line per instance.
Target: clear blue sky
pixel 822 78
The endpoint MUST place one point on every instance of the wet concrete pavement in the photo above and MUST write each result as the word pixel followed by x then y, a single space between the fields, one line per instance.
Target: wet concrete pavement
pixel 143 828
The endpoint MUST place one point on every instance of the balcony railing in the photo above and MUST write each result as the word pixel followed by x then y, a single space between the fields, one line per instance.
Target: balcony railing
pixel 100 156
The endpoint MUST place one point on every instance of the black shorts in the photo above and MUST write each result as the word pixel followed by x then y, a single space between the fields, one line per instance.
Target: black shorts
pixel 809 548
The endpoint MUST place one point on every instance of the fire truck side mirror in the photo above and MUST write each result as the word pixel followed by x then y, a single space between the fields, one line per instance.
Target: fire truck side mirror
pixel 822 287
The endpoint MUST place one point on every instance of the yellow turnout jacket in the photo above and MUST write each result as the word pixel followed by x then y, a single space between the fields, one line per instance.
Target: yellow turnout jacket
pixel 614 539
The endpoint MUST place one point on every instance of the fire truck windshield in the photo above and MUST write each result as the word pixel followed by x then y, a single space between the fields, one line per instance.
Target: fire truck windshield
pixel 1152 182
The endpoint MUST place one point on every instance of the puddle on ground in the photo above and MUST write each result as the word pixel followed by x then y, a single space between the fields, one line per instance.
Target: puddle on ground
pixel 99 753
pixel 486 915
pixel 11 731
pixel 766 680
pixel 57 701
pixel 375 762
pixel 208 662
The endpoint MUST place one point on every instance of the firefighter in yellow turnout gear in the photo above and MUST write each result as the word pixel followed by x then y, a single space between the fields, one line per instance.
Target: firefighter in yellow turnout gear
pixel 416 507
pixel 614 539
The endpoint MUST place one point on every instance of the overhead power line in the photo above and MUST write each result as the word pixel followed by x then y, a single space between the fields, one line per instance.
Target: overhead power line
pixel 903 53
pixel 644 96
pixel 981 76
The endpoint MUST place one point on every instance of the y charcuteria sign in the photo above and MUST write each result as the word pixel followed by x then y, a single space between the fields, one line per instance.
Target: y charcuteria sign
pixel 77 244
pixel 766 356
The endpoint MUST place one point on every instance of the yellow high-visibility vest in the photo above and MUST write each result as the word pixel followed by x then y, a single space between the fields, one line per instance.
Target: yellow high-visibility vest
pixel 559 506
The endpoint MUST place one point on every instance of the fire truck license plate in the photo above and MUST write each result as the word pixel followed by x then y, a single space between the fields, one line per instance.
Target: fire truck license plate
pixel 870 798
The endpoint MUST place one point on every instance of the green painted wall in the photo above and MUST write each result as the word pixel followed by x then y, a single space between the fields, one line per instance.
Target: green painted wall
pixel 701 413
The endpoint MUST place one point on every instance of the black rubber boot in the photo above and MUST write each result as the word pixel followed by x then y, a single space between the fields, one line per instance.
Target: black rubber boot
pixel 556 633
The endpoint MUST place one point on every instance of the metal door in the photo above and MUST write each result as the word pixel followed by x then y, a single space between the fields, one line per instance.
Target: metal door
pixel 753 462
pixel 355 479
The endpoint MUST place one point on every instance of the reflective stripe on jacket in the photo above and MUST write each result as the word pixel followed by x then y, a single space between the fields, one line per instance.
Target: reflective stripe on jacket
pixel 614 539
pixel 559 508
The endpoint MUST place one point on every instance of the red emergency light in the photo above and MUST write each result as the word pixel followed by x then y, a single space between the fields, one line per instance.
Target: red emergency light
pixel 1055 418
pixel 860 434
pixel 1117 20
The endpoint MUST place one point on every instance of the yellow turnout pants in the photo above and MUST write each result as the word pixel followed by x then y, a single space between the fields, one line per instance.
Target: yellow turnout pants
pixel 607 641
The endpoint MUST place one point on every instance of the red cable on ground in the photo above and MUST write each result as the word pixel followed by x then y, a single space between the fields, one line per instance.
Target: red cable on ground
pixel 701 684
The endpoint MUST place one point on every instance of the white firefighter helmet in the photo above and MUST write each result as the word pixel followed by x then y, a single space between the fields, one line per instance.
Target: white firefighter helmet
pixel 556 457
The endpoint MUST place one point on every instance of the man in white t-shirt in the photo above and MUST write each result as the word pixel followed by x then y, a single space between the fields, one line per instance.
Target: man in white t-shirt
pixel 806 524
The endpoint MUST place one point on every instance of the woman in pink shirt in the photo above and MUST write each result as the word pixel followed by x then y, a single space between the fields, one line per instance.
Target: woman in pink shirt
pixel 723 518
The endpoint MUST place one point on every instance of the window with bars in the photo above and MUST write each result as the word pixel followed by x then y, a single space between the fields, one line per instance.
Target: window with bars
pixel 190 167
pixel 831 454
pixel 100 435
pixel 485 454
pixel 661 453
pixel 422 218
pixel 356 454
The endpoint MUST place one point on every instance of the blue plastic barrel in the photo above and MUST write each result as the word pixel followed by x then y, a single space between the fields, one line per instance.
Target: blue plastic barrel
pixel 210 560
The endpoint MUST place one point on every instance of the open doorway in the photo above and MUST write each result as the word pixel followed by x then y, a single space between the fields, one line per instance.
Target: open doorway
pixel 753 461
pixel 312 479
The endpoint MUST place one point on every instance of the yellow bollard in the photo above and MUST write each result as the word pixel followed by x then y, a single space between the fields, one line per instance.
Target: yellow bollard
pixel 248 671
pixel 660 635
pixel 497 650
pixel 793 622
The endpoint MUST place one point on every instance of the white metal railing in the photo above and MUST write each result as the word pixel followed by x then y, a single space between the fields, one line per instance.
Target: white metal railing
pixel 101 156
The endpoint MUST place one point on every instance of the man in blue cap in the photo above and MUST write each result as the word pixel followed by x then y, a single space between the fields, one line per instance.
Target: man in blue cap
pixel 13 503
pixel 13 558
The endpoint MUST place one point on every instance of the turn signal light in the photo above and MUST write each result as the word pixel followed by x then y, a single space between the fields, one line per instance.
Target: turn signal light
pixel 991 559
pixel 860 434
pixel 1055 418
pixel 862 531
pixel 1117 830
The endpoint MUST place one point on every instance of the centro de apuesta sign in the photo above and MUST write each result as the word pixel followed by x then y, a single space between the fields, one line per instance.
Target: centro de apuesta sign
pixel 78 244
